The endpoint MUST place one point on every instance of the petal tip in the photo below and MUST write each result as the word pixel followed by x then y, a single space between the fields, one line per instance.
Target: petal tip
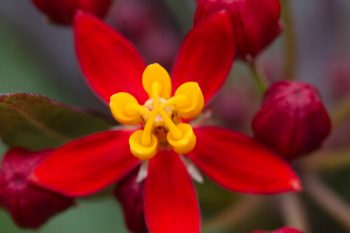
pixel 83 17
pixel 33 178
pixel 224 12
pixel 80 14
pixel 296 185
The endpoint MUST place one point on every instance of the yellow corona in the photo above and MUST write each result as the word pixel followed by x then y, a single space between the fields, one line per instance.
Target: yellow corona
pixel 160 115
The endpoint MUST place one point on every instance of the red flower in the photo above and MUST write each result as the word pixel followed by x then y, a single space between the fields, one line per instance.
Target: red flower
pixel 256 23
pixel 63 11
pixel 281 230
pixel 116 72
pixel 29 205
pixel 292 119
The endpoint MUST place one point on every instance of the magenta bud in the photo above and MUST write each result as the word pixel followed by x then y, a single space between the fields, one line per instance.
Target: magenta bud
pixel 256 23
pixel 29 206
pixel 63 11
pixel 292 119
pixel 281 230
pixel 130 194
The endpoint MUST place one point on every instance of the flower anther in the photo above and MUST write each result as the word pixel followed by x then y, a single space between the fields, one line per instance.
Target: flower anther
pixel 161 115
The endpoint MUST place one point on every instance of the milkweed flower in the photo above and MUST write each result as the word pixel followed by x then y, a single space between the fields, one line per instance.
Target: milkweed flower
pixel 292 119
pixel 162 141
pixel 63 11
pixel 256 23
pixel 30 206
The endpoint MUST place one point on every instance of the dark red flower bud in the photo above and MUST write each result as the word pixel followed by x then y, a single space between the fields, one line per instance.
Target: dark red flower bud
pixel 29 206
pixel 281 230
pixel 130 194
pixel 292 119
pixel 63 11
pixel 256 23
pixel 149 24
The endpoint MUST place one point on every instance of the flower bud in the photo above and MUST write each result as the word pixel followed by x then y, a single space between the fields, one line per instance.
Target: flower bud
pixel 292 119
pixel 281 230
pixel 256 23
pixel 29 206
pixel 130 194
pixel 63 11
pixel 149 24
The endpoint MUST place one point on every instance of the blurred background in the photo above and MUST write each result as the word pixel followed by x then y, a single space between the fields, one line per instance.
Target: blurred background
pixel 38 57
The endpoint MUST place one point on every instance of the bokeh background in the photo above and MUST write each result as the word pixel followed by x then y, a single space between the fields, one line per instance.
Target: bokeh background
pixel 38 57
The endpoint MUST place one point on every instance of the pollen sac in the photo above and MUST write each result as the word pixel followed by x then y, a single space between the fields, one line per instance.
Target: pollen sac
pixel 130 194
pixel 124 108
pixel 256 23
pixel 63 11
pixel 190 100
pixel 29 206
pixel 141 149
pixel 292 119
pixel 155 76
pixel 184 144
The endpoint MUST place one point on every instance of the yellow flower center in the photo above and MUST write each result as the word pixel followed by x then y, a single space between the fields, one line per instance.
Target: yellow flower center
pixel 160 115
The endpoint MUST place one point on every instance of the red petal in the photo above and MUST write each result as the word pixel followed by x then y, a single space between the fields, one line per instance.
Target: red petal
pixel 241 164
pixel 206 55
pixel 86 165
pixel 109 62
pixel 171 204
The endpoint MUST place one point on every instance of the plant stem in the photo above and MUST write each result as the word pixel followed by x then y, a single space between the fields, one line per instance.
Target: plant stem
pixel 327 160
pixel 290 43
pixel 328 200
pixel 294 212
pixel 257 77
pixel 183 12
pixel 235 214
pixel 341 113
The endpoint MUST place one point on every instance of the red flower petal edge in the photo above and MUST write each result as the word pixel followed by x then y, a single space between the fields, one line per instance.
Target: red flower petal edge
pixel 29 205
pixel 281 230
pixel 240 163
pixel 206 55
pixel 109 62
pixel 171 204
pixel 87 165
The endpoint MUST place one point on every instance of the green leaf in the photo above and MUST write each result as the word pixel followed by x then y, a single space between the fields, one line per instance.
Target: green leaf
pixel 102 216
pixel 36 122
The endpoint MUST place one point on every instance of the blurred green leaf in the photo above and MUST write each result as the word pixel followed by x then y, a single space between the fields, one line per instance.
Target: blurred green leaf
pixel 213 198
pixel 2 149
pixel 36 122
pixel 23 69
pixel 103 216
